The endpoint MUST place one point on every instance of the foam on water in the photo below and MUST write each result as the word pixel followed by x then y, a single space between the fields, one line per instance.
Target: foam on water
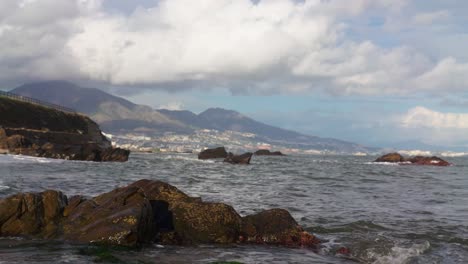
pixel 26 159
pixel 186 158
pixel 400 255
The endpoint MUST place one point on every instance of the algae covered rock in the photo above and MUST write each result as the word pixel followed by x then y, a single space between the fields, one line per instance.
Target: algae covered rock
pixel 276 226
pixel 391 157
pixel 121 217
pixel 32 214
pixel 144 212
pixel 418 160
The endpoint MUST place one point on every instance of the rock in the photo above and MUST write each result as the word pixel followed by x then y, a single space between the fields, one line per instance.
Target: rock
pixel 391 157
pixel 115 154
pixel 32 214
pixel 216 153
pixel 266 152
pixel 433 161
pixel 418 160
pixel 239 159
pixel 122 217
pixel 144 212
pixel 276 226
pixel 34 130
pixel 189 219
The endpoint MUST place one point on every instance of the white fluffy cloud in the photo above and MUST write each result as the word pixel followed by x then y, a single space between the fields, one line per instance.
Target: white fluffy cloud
pixel 433 127
pixel 421 117
pixel 272 46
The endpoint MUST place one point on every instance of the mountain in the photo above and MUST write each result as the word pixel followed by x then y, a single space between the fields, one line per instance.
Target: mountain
pixel 111 112
pixel 118 115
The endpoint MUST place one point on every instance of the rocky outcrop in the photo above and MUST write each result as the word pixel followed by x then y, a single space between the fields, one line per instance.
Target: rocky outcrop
pixel 275 226
pixel 144 212
pixel 34 130
pixel 266 152
pixel 239 159
pixel 418 160
pixel 391 157
pixel 433 161
pixel 216 153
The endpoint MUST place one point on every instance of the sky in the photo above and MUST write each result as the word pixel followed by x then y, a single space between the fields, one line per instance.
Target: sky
pixel 374 72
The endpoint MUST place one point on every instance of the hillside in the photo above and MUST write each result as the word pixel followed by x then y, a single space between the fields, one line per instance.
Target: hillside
pixel 35 130
pixel 118 115
pixel 108 110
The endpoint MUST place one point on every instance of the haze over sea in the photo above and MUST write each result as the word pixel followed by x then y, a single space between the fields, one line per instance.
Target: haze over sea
pixel 383 213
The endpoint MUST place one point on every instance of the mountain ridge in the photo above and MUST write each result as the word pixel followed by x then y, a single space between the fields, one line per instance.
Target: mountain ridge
pixel 118 115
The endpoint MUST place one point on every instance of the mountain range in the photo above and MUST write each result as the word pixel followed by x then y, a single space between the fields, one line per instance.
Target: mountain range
pixel 118 115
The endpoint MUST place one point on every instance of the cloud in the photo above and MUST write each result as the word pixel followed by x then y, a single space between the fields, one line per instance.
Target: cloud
pixel 421 117
pixel 430 17
pixel 261 47
pixel 172 106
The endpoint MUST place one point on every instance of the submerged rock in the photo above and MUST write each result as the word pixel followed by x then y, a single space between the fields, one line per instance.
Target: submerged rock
pixel 144 212
pixel 239 159
pixel 216 153
pixel 418 160
pixel 266 152
pixel 34 130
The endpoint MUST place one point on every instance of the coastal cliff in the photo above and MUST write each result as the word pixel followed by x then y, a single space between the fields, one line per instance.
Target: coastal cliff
pixel 35 130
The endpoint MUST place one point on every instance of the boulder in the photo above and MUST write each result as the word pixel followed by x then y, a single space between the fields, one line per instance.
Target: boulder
pixel 266 152
pixel 216 153
pixel 391 157
pixel 239 159
pixel 276 226
pixel 188 219
pixel 144 212
pixel 122 217
pixel 418 160
pixel 32 214
pixel 433 161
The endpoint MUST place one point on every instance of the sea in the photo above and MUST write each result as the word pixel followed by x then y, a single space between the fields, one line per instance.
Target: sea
pixel 383 213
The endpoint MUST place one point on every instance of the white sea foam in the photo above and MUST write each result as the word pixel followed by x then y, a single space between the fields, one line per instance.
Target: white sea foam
pixel 26 159
pixel 386 163
pixel 401 254
pixel 177 157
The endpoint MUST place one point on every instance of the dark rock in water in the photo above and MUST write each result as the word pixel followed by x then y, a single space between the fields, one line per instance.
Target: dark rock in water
pixel 266 152
pixel 123 217
pixel 276 226
pixel 32 214
pixel 433 161
pixel 34 130
pixel 418 160
pixel 391 157
pixel 193 221
pixel 144 212
pixel 216 153
pixel 239 159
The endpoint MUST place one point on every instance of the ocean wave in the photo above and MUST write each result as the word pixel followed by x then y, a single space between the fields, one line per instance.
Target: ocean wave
pixel 176 157
pixel 387 163
pixel 26 159
pixel 401 254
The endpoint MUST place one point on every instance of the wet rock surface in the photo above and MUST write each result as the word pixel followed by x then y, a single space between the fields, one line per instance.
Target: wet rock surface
pixel 141 213
pixel 266 152
pixel 239 159
pixel 418 160
pixel 215 153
